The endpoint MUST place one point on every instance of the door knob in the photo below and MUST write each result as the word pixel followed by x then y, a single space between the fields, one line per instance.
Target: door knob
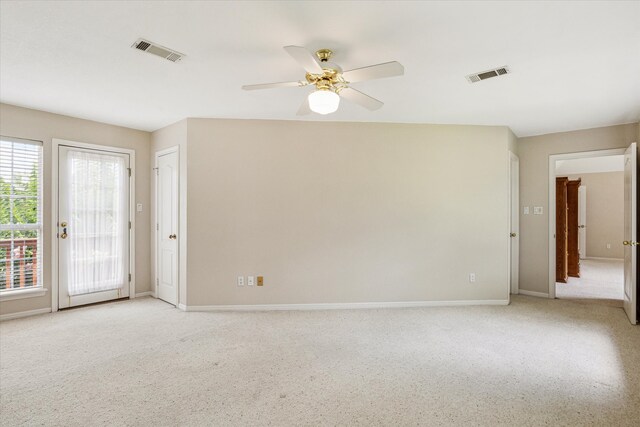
pixel 172 236
pixel 513 234
pixel 581 226
pixel 626 243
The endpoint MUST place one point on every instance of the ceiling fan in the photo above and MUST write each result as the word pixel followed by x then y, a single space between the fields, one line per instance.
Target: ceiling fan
pixel 331 82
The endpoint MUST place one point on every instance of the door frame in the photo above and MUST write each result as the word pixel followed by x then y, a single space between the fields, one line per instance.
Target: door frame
pixel 55 144
pixel 156 278
pixel 514 199
pixel 552 203
pixel 582 213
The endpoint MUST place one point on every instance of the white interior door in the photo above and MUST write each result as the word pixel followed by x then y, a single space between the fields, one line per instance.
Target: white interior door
pixel 514 249
pixel 167 227
pixel 93 226
pixel 582 221
pixel 630 231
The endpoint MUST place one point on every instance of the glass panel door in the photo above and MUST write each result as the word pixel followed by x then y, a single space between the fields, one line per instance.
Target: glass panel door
pixel 93 226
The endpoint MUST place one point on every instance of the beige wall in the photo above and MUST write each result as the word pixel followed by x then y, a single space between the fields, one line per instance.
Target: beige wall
pixel 534 155
pixel 168 137
pixel 346 212
pixel 605 213
pixel 32 124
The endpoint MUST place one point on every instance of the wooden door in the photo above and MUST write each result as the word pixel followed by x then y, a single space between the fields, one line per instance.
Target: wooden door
pixel 573 254
pixel 561 230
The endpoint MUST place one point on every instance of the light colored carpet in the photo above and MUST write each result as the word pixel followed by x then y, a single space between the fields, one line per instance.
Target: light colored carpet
pixel 142 362
pixel 599 279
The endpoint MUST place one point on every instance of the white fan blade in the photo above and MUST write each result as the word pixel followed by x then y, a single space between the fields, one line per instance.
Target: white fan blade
pixel 304 108
pixel 360 98
pixel 274 85
pixel 379 71
pixel 304 58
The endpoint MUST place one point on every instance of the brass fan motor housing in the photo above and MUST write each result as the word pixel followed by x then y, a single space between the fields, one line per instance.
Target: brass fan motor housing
pixel 330 79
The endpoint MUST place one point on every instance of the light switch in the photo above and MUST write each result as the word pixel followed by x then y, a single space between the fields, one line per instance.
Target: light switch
pixel 526 210
pixel 537 210
pixel 250 281
pixel 139 207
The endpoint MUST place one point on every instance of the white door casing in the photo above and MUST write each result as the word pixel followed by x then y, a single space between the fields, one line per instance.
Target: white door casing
pixel 167 175
pixel 630 231
pixel 514 197
pixel 553 158
pixel 582 221
pixel 93 262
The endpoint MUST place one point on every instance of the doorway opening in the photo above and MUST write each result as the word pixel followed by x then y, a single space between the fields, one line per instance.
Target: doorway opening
pixel 589 229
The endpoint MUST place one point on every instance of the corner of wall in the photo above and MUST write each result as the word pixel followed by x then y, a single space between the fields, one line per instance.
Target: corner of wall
pixel 512 141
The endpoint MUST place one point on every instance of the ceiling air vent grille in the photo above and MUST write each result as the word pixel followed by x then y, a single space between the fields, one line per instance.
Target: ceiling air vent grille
pixel 156 49
pixel 484 75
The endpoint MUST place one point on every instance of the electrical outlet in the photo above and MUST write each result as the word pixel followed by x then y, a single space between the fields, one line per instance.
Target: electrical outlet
pixel 608 245
pixel 472 277
pixel 260 280
pixel 537 210
pixel 240 280
pixel 250 281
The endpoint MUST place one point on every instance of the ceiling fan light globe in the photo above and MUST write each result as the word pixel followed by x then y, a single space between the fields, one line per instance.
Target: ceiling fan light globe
pixel 323 101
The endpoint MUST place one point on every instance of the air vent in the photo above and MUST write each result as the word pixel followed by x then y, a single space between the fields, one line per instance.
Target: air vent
pixel 484 75
pixel 156 49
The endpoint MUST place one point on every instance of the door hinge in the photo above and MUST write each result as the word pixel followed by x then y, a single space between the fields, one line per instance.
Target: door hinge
pixel 129 277
pixel 157 226
pixel 129 225
pixel 157 282
pixel 129 170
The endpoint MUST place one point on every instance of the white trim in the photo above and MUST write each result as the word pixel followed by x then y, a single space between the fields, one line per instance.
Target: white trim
pixel 146 294
pixel 55 144
pixel 21 314
pixel 603 258
pixel 11 294
pixel 340 306
pixel 157 155
pixel 513 158
pixel 534 294
pixel 551 210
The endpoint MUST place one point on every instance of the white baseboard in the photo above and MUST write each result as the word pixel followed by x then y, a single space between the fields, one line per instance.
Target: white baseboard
pixel 146 294
pixel 25 314
pixel 603 259
pixel 533 294
pixel 339 306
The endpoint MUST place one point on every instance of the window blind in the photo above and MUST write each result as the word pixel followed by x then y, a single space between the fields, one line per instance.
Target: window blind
pixel 20 214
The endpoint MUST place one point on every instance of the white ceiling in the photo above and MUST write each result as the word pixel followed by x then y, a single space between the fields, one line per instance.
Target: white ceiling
pixel 590 165
pixel 574 65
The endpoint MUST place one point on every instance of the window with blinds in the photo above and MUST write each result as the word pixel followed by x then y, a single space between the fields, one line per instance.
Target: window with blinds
pixel 20 214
